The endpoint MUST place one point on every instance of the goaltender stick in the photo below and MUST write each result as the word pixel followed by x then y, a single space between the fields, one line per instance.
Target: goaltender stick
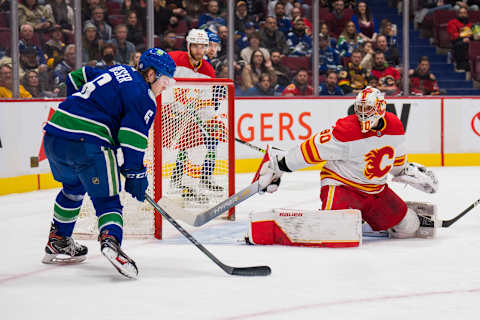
pixel 360 151
pixel 109 109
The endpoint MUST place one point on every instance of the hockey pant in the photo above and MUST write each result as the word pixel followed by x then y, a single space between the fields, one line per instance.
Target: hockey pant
pixel 381 211
pixel 82 168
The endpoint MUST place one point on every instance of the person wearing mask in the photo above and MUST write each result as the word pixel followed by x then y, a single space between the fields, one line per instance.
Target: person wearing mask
pixel 108 56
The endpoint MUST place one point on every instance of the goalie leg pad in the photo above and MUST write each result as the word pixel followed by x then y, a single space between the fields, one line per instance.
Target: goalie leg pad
pixel 311 228
pixel 427 215
pixel 407 228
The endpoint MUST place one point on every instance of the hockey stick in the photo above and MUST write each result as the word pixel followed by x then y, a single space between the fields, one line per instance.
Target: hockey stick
pixel 448 223
pixel 236 271
pixel 254 147
pixel 200 219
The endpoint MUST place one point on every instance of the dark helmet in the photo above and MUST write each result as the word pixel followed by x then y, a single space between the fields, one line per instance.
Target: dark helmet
pixel 159 60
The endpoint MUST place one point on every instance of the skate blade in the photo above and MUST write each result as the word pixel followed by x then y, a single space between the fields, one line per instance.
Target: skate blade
pixel 126 268
pixel 62 259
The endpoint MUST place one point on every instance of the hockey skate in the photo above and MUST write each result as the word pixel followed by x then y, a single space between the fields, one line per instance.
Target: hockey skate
pixel 190 194
pixel 63 250
pixel 111 250
pixel 207 184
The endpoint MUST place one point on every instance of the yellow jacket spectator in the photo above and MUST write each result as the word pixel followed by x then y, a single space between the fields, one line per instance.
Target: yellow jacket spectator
pixel 6 84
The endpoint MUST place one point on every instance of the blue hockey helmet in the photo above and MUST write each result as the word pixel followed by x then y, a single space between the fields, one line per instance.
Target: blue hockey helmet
pixel 213 37
pixel 159 60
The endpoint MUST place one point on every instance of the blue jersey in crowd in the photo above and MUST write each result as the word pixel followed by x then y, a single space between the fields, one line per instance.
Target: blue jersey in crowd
pixel 111 107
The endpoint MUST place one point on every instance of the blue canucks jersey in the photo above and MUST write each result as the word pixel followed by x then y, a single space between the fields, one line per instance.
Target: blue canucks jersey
pixel 111 107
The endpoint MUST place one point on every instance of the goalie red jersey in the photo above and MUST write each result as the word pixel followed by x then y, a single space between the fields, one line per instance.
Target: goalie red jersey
pixel 356 168
pixel 359 160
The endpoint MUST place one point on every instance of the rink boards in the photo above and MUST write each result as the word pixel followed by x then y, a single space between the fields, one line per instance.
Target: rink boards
pixel 441 131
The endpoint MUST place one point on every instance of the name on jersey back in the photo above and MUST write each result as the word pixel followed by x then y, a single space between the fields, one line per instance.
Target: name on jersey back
pixel 121 74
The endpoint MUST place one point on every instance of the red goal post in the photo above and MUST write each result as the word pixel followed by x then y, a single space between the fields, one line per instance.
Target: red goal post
pixel 193 130
pixel 199 93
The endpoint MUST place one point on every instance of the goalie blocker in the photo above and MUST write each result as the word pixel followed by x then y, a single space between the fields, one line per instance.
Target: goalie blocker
pixel 308 228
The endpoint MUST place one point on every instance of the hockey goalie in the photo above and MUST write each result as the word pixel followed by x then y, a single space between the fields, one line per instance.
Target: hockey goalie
pixel 359 153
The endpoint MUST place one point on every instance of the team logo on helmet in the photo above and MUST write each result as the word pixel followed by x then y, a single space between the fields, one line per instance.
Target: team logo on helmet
pixel 370 105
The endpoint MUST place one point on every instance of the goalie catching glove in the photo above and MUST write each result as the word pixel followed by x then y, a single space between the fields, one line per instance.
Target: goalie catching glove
pixel 419 177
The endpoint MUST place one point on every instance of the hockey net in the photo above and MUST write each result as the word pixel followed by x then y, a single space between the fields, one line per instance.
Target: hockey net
pixel 189 159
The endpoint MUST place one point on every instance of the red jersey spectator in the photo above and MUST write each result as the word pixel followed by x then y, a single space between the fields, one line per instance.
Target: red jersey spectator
pixel 422 81
pixel 300 86
pixel 388 77
pixel 460 31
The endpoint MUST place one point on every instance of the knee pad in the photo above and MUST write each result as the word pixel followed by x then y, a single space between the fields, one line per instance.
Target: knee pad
pixel 407 228
pixel 106 204
pixel 73 193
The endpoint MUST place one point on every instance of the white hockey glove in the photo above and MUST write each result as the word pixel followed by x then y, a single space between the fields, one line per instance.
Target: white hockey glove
pixel 418 177
pixel 270 175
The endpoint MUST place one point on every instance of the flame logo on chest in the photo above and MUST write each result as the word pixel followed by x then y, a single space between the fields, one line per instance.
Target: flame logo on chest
pixel 373 159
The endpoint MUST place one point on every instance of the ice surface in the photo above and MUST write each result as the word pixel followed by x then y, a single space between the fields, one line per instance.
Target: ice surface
pixel 383 279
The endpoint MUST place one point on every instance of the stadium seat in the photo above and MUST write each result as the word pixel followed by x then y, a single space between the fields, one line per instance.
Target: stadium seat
pixel 157 42
pixel 180 42
pixel 5 35
pixel 296 63
pixel 181 28
pixel 113 7
pixel 5 19
pixel 440 21
pixel 474 17
pixel 115 19
pixel 474 55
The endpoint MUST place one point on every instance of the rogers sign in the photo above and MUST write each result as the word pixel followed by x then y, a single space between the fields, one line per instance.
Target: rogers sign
pixel 476 124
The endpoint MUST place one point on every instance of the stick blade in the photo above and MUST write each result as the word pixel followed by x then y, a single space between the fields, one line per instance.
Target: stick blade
pixel 250 271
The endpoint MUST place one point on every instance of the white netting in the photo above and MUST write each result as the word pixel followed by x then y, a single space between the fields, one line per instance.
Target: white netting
pixel 194 158
pixel 195 148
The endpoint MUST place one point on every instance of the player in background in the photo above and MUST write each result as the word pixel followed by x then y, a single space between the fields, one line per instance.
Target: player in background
pixel 360 151
pixel 107 109
pixel 191 64
pixel 213 47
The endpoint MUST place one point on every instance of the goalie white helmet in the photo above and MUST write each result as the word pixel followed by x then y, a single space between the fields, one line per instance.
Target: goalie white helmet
pixel 370 106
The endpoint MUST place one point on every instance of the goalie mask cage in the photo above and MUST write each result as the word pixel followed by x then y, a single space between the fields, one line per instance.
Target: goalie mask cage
pixel 190 157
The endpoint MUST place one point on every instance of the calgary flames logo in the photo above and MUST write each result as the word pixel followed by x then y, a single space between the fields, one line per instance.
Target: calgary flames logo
pixel 373 168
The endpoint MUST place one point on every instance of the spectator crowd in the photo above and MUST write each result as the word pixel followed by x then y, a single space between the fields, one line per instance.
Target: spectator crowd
pixel 273 43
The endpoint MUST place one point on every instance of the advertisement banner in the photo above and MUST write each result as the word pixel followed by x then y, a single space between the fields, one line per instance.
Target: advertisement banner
pixel 284 123
pixel 21 124
pixel 462 125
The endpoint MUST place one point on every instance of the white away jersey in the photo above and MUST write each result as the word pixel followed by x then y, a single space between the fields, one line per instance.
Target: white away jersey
pixel 356 159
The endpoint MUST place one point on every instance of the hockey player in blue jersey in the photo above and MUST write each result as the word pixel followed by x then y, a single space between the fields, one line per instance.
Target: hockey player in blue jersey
pixel 106 109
